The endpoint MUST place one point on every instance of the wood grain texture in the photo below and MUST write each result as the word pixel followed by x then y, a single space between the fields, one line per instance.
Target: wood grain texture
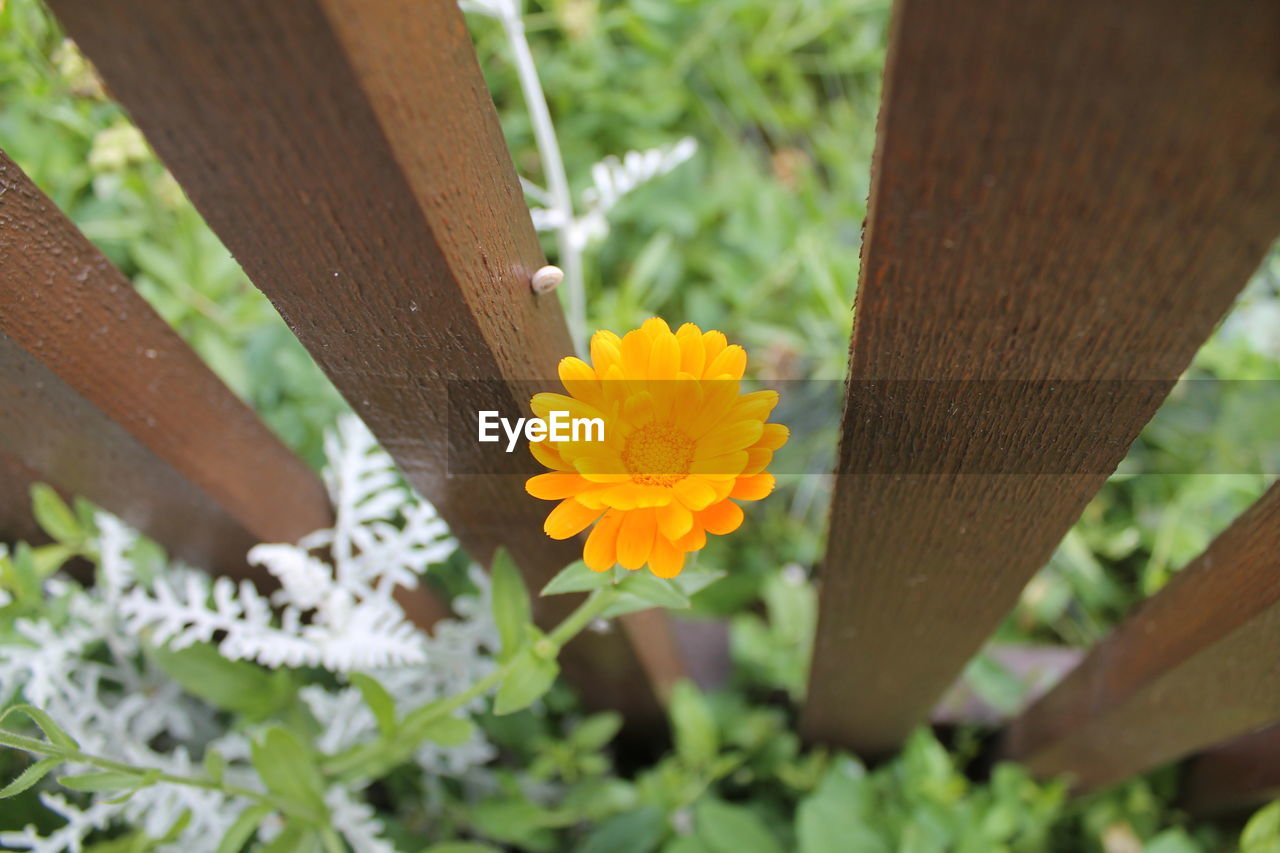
pixel 101 398
pixel 348 153
pixel 1061 191
pixel 1239 775
pixel 1195 665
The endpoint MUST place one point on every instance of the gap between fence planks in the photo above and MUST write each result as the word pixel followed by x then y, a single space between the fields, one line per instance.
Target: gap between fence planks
pixel 1061 191
pixel 101 398
pixel 350 157
pixel 1195 665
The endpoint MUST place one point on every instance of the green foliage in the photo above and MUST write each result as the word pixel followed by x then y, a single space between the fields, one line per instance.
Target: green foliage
pixel 512 611
pixel 758 236
pixel 232 685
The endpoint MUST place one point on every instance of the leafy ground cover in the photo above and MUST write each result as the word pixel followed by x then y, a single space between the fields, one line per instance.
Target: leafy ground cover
pixel 757 235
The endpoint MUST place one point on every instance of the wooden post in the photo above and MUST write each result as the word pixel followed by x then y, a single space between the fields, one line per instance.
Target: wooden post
pixel 1242 773
pixel 101 398
pixel 349 155
pixel 1195 665
pixel 1066 197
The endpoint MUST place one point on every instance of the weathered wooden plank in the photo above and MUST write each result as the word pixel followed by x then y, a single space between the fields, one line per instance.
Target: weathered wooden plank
pixel 349 155
pixel 1195 665
pixel 103 399
pixel 1240 774
pixel 1061 191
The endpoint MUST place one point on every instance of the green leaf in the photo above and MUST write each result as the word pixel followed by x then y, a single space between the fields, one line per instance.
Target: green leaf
pixel 239 833
pixel 595 731
pixel 626 604
pixel 51 730
pixel 29 777
pixel 509 819
pixel 511 608
pixel 732 829
pixel 530 679
pixel 576 577
pixel 693 581
pixel 450 731
pixel 176 830
pixel 651 588
pixel 697 740
pixel 640 831
pixel 686 844
pixel 54 516
pixel 1172 841
pixel 233 685
pixel 26 576
pixel 107 780
pixel 835 817
pixel 294 838
pixel 287 769
pixel 215 765
pixel 1262 832
pixel 49 558
pixel 379 702
pixel 462 847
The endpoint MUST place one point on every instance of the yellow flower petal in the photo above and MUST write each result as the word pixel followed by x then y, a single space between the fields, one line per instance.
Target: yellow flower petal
pixel 569 518
pixel 606 352
pixel 664 358
pixel 682 443
pixel 713 343
pixel 580 380
pixel 694 540
pixel 774 436
pixel 720 467
pixel 635 354
pixel 674 520
pixel 601 469
pixel 730 363
pixel 555 486
pixel 546 453
pixel 721 518
pixel 600 552
pixel 545 403
pixel 755 406
pixel 635 538
pixel 655 326
pixel 693 354
pixel 758 458
pixel 728 438
pixel 753 488
pixel 694 492
pixel 665 560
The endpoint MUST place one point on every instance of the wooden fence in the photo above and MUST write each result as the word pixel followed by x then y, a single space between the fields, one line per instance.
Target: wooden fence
pixel 1066 198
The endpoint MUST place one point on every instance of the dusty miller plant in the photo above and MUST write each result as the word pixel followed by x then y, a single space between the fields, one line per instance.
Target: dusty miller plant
pixel 180 711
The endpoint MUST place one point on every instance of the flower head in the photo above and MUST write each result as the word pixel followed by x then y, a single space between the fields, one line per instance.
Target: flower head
pixel 681 444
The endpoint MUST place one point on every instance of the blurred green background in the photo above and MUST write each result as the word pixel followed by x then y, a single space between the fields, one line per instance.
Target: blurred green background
pixel 758 235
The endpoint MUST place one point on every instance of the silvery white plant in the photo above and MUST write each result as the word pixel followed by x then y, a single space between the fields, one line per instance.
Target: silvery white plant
pixel 88 660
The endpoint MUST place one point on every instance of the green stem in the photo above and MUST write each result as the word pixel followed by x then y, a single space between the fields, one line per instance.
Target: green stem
pixel 75 756
pixel 590 610
pixel 371 759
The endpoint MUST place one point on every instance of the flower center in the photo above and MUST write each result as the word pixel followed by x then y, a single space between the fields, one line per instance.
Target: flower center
pixel 658 455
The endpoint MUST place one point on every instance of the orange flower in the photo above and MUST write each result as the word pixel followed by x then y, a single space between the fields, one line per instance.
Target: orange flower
pixel 680 446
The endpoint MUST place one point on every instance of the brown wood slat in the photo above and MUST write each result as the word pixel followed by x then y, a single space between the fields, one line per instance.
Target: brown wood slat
pixel 1061 191
pixel 1195 665
pixel 103 399
pixel 349 155
pixel 1241 774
